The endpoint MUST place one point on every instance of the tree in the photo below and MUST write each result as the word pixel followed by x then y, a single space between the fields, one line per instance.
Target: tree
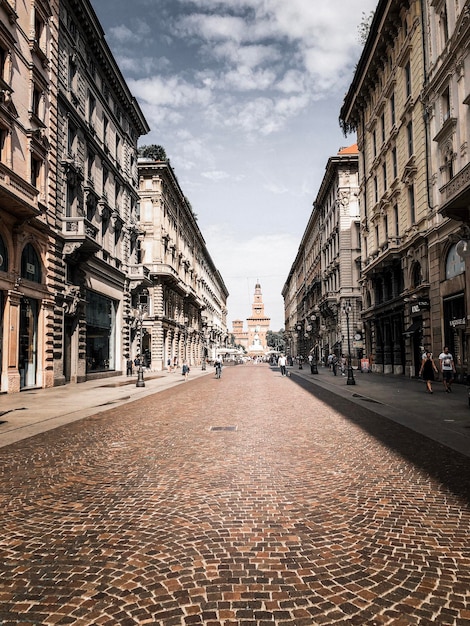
pixel 275 340
pixel 154 152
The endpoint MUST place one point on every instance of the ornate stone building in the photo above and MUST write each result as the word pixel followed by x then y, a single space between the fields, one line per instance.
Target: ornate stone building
pixel 99 123
pixel 446 100
pixel 186 310
pixel 322 294
pixel 68 196
pixel 383 105
pixel 28 126
pixel 254 339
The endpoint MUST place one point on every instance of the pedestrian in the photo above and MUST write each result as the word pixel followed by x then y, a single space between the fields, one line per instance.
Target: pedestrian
pixel 447 368
pixel 334 364
pixel 185 370
pixel 282 362
pixel 129 366
pixel 427 371
pixel 343 365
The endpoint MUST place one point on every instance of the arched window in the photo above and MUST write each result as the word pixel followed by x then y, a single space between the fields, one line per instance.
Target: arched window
pixel 417 275
pixel 30 264
pixel 455 265
pixel 3 256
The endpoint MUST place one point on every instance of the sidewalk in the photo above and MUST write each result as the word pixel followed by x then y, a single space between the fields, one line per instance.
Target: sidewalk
pixel 443 417
pixel 30 412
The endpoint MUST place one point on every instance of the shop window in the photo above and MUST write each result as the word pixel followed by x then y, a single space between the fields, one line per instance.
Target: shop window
pixel 3 256
pixel 101 331
pixel 455 265
pixel 30 264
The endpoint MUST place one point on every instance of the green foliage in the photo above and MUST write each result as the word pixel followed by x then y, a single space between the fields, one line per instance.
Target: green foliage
pixel 275 340
pixel 154 152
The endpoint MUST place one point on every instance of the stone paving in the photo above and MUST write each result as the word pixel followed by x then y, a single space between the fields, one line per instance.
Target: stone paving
pixel 245 501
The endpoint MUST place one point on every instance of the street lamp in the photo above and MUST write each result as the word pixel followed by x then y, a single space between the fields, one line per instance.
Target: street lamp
pixel 313 363
pixel 139 313
pixel 347 310
pixel 299 329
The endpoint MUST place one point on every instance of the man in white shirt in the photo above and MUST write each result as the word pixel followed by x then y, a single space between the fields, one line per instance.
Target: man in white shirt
pixel 282 362
pixel 447 368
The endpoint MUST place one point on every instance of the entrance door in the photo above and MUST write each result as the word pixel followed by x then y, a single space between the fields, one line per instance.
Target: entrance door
pixel 28 342
pixel 67 356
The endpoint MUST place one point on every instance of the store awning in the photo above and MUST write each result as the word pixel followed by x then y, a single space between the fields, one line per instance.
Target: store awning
pixel 412 329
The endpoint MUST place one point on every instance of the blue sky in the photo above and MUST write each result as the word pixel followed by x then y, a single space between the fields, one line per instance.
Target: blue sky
pixel 244 95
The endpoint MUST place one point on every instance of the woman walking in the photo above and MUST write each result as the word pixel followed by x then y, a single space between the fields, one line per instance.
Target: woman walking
pixel 427 371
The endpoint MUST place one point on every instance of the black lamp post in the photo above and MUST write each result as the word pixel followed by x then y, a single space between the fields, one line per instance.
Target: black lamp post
pixel 140 313
pixel 313 364
pixel 347 310
pixel 299 330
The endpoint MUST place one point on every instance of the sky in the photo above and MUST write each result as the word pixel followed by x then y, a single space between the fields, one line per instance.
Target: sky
pixel 244 95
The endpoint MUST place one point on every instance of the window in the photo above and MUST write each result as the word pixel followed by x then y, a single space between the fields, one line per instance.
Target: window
pixel 386 227
pixel 444 26
pixel 70 199
pixel 397 224
pixel 105 131
pixel 36 169
pixel 374 143
pixel 445 105
pixel 392 109
pixel 36 102
pixel 409 137
pixel 3 144
pixel 72 72
pixel 377 237
pixel 411 201
pixel 91 108
pixel 71 138
pixel 395 163
pixel 376 189
pixel 3 256
pixel 455 265
pixel 3 63
pixel 407 80
pixel 384 173
pixel 382 125
pixel 30 264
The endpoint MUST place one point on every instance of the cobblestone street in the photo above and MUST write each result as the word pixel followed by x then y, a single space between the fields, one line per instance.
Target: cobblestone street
pixel 249 500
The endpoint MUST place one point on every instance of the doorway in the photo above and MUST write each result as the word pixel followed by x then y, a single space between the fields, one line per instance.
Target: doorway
pixel 28 347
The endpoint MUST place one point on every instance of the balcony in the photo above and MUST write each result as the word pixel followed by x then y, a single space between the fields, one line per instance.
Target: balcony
pixel 81 238
pixel 18 197
pixel 455 197
pixel 138 276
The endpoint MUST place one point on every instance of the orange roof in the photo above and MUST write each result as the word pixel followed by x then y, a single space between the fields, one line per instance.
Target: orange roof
pixel 350 150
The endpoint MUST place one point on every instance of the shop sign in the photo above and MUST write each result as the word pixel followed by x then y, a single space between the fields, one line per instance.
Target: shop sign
pixel 457 323
pixel 420 306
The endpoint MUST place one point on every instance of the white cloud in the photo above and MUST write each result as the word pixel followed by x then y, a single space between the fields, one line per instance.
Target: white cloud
pixel 171 91
pixel 215 175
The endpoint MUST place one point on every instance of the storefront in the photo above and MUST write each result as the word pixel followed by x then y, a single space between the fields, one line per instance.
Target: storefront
pixel 100 332
pixel 454 330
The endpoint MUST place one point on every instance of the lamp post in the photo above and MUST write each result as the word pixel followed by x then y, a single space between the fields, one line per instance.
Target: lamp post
pixel 139 313
pixel 347 310
pixel 299 330
pixel 313 363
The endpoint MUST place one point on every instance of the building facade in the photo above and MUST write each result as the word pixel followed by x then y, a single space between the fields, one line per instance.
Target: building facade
pixel 322 299
pixel 384 106
pixel 185 295
pixel 99 123
pixel 28 129
pixel 446 101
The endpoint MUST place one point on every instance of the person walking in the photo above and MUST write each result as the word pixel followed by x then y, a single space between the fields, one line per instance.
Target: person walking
pixel 427 371
pixel 447 368
pixel 185 370
pixel 218 367
pixel 282 362
pixel 129 366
